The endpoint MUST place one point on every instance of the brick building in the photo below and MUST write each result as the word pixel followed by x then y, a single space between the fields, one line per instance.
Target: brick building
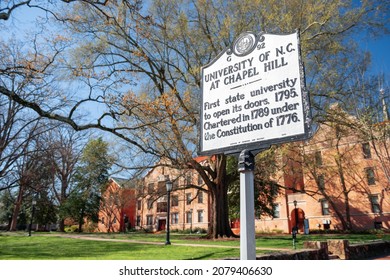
pixel 117 208
pixel 336 180
pixel 189 207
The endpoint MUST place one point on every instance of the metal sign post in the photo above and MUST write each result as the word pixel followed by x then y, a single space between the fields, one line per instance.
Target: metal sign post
pixel 253 96
pixel 246 164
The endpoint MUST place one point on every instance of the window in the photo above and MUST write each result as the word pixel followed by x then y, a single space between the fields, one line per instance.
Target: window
pixel 325 207
pixel 189 217
pixel 175 218
pixel 103 220
pixel 276 210
pixel 370 176
pixel 188 198
pixel 375 203
pixel 139 204
pixel 150 188
pixel 175 200
pixel 161 207
pixel 200 197
pixel 150 203
pixel 149 220
pixel 114 221
pixel 161 188
pixel 200 216
pixel 318 158
pixel 138 221
pixel 189 178
pixel 321 182
pixel 366 150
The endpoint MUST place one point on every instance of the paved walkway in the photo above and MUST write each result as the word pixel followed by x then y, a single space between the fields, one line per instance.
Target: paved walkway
pixel 85 237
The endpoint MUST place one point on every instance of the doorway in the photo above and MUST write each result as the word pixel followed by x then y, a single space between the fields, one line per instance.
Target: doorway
pixel 161 224
pixel 297 219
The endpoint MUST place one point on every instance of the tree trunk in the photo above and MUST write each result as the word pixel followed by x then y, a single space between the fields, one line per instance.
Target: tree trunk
pixel 221 225
pixel 81 219
pixel 217 183
pixel 62 225
pixel 221 222
pixel 62 200
pixel 347 224
pixel 15 213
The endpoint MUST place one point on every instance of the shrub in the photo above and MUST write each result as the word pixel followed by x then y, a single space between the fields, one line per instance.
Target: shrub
pixel 72 228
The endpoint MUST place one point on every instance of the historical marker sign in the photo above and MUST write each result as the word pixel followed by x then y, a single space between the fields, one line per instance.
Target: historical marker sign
pixel 253 95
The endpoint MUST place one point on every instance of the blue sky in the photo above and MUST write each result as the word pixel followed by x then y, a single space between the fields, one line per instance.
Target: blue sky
pixel 380 52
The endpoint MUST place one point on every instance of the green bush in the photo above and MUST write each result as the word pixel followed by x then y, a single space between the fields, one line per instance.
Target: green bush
pixel 72 228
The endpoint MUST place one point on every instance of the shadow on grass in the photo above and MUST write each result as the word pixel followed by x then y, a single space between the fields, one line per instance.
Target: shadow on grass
pixel 48 248
pixel 57 248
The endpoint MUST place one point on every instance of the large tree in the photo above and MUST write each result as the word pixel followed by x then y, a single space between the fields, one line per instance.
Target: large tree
pixel 91 179
pixel 63 151
pixel 34 176
pixel 18 125
pixel 143 64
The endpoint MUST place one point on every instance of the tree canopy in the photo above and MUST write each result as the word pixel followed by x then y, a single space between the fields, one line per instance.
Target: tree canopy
pixel 138 63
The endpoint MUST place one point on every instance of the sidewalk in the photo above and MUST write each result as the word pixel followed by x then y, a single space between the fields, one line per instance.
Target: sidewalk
pixel 79 236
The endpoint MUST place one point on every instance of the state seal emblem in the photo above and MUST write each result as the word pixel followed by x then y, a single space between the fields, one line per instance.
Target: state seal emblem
pixel 244 44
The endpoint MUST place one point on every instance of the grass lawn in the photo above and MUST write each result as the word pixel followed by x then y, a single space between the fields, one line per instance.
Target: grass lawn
pixel 58 248
pixel 18 246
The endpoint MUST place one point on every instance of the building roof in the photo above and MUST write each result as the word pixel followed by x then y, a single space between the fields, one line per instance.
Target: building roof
pixel 123 182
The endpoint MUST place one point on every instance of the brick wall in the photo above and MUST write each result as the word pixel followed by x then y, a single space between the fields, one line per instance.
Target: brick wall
pixel 325 250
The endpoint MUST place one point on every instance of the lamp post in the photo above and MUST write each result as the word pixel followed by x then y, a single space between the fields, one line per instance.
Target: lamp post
pixel 168 185
pixel 295 228
pixel 296 214
pixel 191 210
pixel 34 202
